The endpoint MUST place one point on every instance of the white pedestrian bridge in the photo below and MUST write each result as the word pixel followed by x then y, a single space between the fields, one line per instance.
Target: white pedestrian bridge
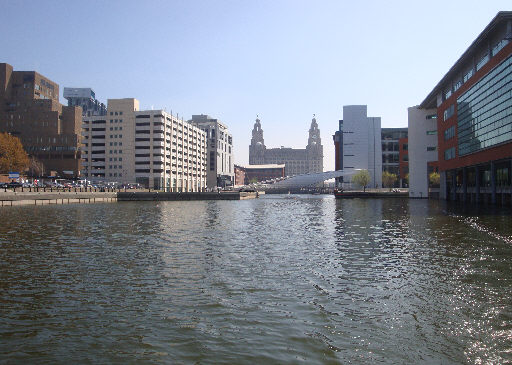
pixel 301 181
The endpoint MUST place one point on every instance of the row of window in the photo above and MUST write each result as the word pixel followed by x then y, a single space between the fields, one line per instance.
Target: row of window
pixel 485 116
pixel 483 61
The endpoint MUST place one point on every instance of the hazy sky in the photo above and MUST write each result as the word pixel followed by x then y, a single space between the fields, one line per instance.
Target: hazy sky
pixel 283 60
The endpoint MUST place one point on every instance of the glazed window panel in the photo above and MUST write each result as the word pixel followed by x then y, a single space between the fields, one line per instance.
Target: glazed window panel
pixel 485 111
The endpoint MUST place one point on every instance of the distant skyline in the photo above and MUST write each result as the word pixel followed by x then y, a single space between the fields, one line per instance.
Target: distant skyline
pixel 232 60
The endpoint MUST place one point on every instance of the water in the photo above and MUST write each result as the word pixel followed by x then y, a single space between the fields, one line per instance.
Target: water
pixel 281 279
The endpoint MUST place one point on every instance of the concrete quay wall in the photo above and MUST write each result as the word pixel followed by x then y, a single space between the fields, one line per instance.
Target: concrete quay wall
pixel 161 196
pixel 10 198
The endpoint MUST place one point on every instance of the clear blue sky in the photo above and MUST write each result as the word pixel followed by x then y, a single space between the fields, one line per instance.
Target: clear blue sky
pixel 283 60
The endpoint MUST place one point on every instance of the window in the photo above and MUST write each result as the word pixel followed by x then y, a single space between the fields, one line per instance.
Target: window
pixel 431 133
pixel 498 47
pixel 431 116
pixel 482 62
pixel 468 75
pixel 449 133
pixel 431 148
pixel 449 153
pixel 449 112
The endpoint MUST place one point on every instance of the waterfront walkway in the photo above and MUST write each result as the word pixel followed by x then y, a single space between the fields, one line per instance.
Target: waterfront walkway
pixel 66 196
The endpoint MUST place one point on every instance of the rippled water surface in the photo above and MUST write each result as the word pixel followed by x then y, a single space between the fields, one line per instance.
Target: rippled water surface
pixel 281 279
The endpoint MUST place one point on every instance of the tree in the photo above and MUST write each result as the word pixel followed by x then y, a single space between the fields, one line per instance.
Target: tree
pixel 12 155
pixel 35 167
pixel 361 178
pixel 434 178
pixel 389 179
pixel 254 180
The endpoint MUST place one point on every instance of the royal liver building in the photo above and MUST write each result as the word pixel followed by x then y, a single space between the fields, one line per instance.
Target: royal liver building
pixel 297 161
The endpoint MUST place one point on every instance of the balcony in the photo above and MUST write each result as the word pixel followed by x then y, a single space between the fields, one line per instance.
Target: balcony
pixel 142 128
pixel 142 143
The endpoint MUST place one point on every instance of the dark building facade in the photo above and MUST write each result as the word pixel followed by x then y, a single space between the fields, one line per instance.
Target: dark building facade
pixel 474 118
pixel 393 153
pixel 403 157
pixel 86 99
pixel 49 131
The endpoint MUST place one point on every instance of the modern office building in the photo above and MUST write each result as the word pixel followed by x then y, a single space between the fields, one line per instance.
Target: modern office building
pixel 259 173
pixel 394 153
pixel 296 161
pixel 49 131
pixel 473 102
pixel 86 99
pixel 149 147
pixel 423 154
pixel 358 145
pixel 220 164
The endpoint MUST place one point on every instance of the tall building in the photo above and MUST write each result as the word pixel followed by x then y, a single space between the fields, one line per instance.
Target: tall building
pixel 49 131
pixel 149 147
pixel 473 102
pixel 358 144
pixel 220 164
pixel 422 150
pixel 296 161
pixel 86 99
pixel 394 152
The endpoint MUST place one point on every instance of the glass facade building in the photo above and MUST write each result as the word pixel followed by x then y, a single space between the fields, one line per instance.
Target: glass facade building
pixel 474 109
pixel 485 111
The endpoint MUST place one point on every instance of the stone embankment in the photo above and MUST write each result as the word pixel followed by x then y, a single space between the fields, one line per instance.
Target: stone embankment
pixel 14 198
pixel 11 198
pixel 161 196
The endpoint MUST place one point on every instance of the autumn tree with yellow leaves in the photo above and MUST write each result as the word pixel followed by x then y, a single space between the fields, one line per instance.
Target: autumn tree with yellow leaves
pixel 13 157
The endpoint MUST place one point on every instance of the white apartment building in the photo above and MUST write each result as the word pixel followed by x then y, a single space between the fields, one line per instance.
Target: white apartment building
pixel 220 164
pixel 150 147
pixel 422 149
pixel 360 144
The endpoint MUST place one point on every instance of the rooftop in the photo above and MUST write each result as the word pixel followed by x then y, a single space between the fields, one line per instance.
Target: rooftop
pixel 431 99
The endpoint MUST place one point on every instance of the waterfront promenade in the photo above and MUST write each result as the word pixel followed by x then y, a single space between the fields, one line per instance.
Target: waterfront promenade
pixel 67 196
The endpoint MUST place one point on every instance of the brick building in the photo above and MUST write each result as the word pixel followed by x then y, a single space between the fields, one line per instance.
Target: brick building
pixel 49 131
pixel 473 102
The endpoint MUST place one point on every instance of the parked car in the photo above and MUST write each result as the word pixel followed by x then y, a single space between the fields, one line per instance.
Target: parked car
pixel 14 184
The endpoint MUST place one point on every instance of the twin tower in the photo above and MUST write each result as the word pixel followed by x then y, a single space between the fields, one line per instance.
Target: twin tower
pixel 296 161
